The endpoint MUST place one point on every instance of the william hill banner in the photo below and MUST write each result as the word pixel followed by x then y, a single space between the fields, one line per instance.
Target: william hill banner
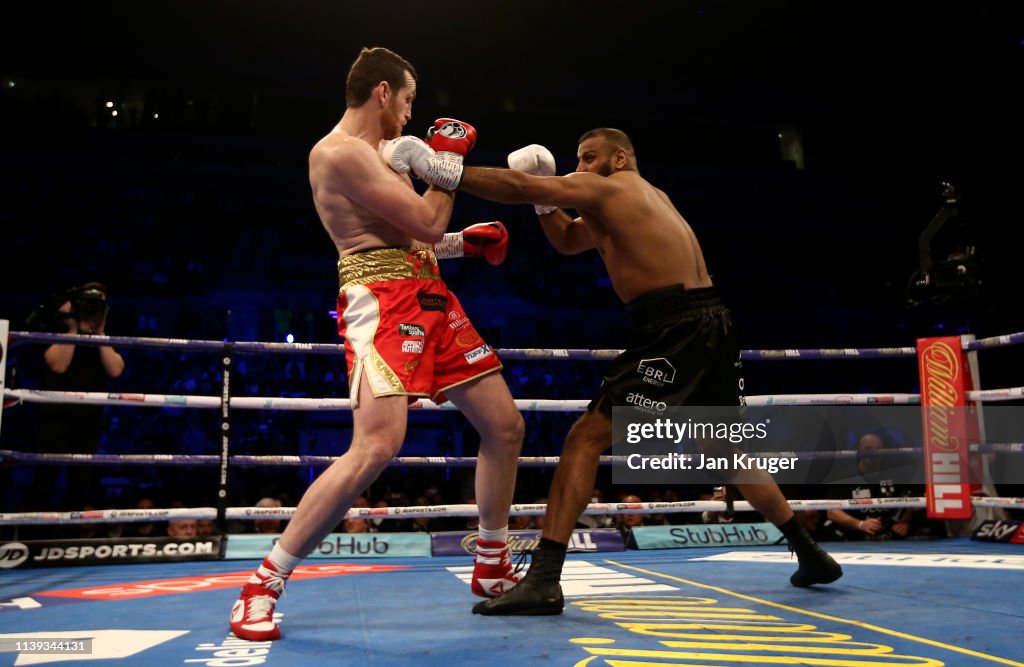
pixel 945 374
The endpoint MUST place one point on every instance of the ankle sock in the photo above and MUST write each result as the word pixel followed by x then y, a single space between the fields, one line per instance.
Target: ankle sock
pixel 496 535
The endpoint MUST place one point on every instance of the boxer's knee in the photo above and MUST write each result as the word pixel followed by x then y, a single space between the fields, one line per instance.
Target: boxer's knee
pixel 375 451
pixel 591 434
pixel 506 431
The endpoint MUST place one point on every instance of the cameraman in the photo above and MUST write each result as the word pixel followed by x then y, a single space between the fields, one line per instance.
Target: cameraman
pixel 74 427
pixel 85 313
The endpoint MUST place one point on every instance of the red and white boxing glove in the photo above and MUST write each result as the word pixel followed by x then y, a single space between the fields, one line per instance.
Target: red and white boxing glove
pixel 536 161
pixel 486 239
pixel 451 139
pixel 408 153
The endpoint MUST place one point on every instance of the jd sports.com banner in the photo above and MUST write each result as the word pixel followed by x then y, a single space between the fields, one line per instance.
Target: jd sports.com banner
pixel 49 553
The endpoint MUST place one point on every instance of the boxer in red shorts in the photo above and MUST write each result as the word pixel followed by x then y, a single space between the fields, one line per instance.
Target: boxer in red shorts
pixel 406 335
pixel 404 330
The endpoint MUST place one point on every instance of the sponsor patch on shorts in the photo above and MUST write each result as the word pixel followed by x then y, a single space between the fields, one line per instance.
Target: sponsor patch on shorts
pixel 478 353
pixel 436 302
pixel 414 346
pixel 416 330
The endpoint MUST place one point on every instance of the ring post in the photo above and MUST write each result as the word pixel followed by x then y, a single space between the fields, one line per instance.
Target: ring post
pixel 4 327
pixel 225 436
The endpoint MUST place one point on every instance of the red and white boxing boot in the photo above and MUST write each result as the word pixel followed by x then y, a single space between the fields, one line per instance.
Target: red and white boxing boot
pixel 492 570
pixel 252 616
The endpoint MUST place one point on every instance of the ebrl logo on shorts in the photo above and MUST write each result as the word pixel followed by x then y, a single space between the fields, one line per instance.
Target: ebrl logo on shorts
pixel 658 372
pixel 477 354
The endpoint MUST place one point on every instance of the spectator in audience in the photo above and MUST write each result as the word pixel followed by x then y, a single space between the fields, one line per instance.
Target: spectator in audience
pixel 627 522
pixel 268 525
pixel 537 521
pixel 595 520
pixel 206 527
pixel 519 522
pixel 380 524
pixel 357 526
pixel 421 524
pixel 874 522
pixel 181 528
pixel 142 528
pixel 472 522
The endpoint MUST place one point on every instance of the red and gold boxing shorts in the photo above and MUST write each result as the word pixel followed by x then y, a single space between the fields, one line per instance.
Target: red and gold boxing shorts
pixel 403 329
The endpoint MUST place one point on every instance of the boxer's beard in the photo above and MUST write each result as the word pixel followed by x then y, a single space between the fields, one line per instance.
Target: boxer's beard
pixel 389 129
pixel 391 126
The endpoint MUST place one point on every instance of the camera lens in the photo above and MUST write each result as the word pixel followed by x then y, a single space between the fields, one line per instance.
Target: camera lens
pixel 90 306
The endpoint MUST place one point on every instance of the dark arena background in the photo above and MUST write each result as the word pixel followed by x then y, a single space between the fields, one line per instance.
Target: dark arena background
pixel 852 170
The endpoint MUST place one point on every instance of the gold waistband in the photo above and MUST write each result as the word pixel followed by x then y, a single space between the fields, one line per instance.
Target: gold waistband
pixel 374 266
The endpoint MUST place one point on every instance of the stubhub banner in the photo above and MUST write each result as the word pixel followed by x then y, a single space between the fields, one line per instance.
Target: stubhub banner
pixel 337 545
pixel 706 535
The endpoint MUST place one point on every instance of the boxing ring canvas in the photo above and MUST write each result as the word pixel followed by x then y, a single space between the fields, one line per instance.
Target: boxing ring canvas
pixel 944 602
pixel 947 602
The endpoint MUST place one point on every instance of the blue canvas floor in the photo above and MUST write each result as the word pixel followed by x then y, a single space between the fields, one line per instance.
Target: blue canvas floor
pixel 951 602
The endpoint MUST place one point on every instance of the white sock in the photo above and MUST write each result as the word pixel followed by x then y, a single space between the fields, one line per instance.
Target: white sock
pixel 282 560
pixel 496 535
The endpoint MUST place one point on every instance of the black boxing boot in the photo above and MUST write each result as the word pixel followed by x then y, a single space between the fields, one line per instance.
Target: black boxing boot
pixel 816 566
pixel 539 593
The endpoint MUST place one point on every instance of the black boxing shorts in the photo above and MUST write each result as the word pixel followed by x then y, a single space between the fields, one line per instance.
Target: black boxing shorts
pixel 683 351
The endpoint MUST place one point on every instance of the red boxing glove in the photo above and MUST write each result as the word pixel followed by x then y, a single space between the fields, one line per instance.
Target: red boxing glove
pixel 486 239
pixel 451 138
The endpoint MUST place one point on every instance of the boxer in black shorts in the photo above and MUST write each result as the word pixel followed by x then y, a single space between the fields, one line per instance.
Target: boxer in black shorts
pixel 687 332
pixel 657 269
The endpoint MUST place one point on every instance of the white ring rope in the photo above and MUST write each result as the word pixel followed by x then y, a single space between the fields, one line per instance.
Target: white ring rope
pixel 522 404
pixel 254 402
pixel 447 511
pixel 286 460
pixel 508 353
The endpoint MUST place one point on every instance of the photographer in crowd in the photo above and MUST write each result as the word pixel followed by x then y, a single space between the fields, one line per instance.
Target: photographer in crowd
pixel 73 427
pixel 876 482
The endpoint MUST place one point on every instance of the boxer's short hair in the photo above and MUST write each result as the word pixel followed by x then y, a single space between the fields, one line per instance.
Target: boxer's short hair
pixel 370 68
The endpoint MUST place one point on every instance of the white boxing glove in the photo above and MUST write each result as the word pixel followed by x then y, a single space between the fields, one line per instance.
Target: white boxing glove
pixel 408 153
pixel 536 161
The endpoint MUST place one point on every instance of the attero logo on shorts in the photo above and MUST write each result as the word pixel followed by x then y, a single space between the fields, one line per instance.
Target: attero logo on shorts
pixel 657 371
pixel 646 404
pixel 477 354
pixel 415 330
